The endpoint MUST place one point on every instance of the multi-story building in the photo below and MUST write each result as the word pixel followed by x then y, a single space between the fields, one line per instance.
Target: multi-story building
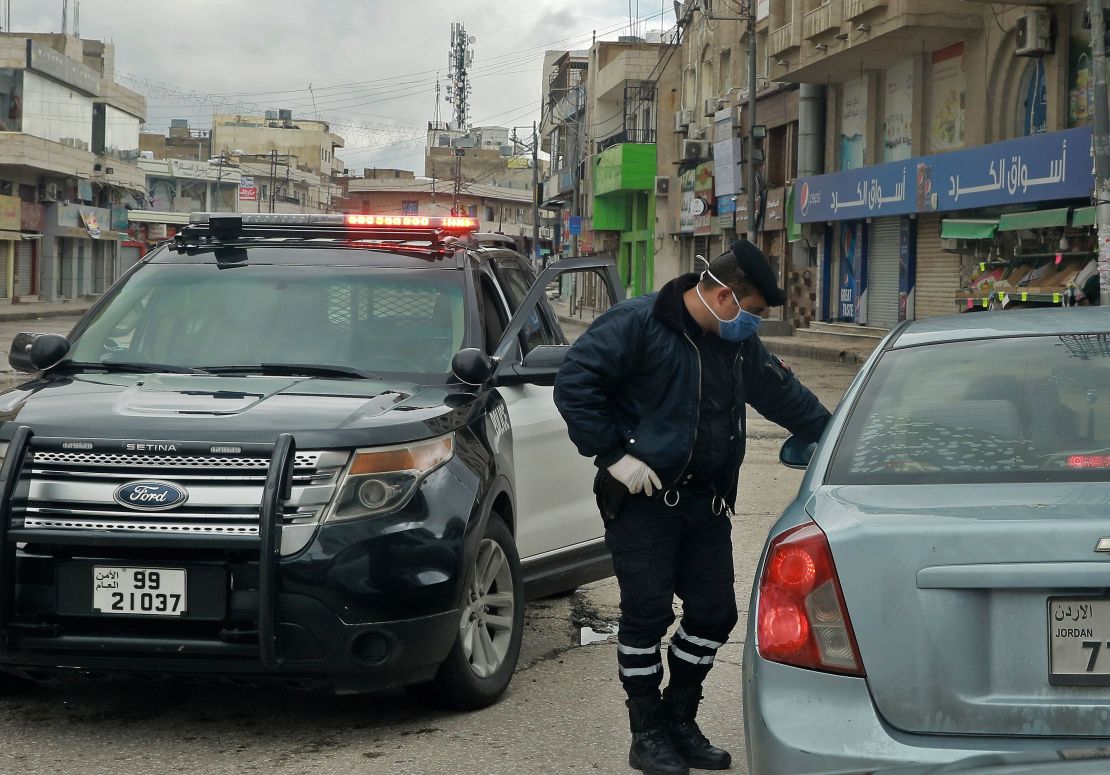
pixel 69 147
pixel 480 154
pixel 957 153
pixel 619 206
pixel 181 142
pixel 294 159
pixel 565 139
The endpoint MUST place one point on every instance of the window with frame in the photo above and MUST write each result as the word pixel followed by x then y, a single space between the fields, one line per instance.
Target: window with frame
pixel 516 284
pixel 410 207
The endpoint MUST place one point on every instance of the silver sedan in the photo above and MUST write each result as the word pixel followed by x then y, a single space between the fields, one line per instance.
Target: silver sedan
pixel 941 585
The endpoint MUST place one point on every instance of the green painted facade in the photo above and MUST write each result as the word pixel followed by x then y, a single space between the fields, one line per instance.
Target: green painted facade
pixel 624 201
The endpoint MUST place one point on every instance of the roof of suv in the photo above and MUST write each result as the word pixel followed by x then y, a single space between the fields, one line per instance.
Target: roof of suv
pixel 402 241
pixel 1012 323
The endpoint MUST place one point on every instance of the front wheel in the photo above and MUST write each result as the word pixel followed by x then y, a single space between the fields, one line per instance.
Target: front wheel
pixel 481 663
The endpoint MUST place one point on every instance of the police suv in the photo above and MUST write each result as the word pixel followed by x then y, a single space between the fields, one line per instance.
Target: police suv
pixel 314 449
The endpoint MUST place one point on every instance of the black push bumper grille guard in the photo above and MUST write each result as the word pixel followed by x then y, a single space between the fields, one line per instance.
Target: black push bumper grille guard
pixel 276 492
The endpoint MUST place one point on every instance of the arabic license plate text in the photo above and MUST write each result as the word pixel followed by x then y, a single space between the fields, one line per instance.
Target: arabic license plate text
pixel 139 591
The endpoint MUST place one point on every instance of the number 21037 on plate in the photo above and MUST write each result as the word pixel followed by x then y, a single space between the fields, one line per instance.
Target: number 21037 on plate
pixel 139 591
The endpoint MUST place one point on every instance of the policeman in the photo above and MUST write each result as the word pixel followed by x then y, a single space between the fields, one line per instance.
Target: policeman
pixel 655 390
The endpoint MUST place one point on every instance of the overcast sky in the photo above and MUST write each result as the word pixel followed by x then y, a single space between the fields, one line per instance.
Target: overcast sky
pixel 372 64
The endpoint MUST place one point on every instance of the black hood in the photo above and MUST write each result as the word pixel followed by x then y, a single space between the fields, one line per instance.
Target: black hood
pixel 248 409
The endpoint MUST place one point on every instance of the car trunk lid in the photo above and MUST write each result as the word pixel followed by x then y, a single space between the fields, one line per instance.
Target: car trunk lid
pixel 948 590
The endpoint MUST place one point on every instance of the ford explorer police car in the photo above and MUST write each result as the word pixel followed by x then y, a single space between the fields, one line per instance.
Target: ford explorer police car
pixel 314 449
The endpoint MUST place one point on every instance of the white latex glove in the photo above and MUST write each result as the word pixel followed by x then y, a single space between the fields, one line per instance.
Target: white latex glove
pixel 636 475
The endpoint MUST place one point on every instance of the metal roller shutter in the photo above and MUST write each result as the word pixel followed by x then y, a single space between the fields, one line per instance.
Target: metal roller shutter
pixel 938 272
pixel 24 268
pixel 882 272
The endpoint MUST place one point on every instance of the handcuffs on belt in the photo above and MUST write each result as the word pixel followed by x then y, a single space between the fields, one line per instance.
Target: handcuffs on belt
pixel 718 505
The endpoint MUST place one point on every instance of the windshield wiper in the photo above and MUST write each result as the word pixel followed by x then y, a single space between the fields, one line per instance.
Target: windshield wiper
pixel 133 367
pixel 292 370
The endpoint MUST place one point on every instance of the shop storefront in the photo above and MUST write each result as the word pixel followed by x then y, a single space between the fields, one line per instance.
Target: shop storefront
pixel 935 234
pixel 32 219
pixel 80 252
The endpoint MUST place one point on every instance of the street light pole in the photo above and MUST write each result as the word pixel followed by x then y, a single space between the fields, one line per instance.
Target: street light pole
pixel 749 170
pixel 1102 144
pixel 536 194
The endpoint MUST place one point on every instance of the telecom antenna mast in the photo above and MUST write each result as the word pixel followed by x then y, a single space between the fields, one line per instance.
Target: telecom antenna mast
pixel 459 59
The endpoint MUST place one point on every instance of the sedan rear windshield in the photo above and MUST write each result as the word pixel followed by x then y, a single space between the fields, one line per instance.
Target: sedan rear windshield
pixel 1028 409
pixel 198 316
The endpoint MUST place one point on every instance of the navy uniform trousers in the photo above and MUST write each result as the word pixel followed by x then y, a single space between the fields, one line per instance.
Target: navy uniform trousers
pixel 661 551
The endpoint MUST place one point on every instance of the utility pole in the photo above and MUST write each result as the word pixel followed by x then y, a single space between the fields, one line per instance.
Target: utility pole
pixel 576 151
pixel 749 169
pixel 1102 144
pixel 273 177
pixel 536 195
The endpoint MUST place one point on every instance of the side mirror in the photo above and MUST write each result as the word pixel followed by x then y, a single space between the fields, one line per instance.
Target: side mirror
pixel 472 366
pixel 540 366
pixel 796 454
pixel 37 352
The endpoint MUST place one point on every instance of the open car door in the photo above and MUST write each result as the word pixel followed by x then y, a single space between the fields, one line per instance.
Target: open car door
pixel 558 525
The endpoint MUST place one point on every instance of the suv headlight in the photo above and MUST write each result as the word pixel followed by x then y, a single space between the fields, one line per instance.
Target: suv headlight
pixel 379 480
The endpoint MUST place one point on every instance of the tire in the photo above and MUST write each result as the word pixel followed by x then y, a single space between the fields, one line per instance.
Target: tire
pixel 482 660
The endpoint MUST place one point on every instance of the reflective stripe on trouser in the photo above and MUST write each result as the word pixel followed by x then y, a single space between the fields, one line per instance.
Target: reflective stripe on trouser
pixel 690 657
pixel 639 664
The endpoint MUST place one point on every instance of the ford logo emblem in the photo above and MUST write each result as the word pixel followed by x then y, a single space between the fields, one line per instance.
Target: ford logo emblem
pixel 151 495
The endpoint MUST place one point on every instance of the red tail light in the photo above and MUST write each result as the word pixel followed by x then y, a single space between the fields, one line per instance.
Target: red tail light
pixel 802 619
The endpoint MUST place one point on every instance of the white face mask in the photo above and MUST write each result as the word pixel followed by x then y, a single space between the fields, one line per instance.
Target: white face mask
pixel 738 328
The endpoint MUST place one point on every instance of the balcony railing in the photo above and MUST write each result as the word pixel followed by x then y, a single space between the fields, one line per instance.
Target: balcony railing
pixel 627 136
pixel 823 19
pixel 785 38
pixel 856 8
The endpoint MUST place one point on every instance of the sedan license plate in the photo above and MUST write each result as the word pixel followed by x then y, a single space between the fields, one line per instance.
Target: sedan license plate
pixel 1079 641
pixel 139 591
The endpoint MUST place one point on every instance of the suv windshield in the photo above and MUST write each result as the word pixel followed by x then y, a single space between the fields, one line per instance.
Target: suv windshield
pixel 1032 409
pixel 196 316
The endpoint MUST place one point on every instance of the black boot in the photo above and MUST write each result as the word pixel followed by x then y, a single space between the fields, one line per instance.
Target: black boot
pixel 651 749
pixel 680 708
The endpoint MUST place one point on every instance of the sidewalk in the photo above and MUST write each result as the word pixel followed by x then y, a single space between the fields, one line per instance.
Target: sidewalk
pixel 843 351
pixel 37 310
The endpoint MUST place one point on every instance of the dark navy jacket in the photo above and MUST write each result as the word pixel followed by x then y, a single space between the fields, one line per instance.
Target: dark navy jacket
pixel 632 384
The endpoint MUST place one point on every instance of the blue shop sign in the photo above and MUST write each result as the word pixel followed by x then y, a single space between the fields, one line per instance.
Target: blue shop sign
pixel 1038 168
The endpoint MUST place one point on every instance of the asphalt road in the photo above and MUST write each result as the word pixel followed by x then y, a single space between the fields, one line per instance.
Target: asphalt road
pixel 562 713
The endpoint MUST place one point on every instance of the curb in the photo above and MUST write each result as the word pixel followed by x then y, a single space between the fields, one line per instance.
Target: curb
pixel 9 315
pixel 852 359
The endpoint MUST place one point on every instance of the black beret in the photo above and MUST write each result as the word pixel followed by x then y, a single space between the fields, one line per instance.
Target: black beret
pixel 757 268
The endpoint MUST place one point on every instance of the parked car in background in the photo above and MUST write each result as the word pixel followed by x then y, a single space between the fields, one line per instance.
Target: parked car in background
pixel 938 587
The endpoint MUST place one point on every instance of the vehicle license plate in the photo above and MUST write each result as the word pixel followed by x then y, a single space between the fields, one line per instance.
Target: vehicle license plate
pixel 139 591
pixel 1079 640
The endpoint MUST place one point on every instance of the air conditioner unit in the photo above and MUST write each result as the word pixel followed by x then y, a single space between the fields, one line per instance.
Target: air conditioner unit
pixel 710 107
pixel 695 150
pixel 682 120
pixel 1034 33
pixel 51 192
pixel 662 185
